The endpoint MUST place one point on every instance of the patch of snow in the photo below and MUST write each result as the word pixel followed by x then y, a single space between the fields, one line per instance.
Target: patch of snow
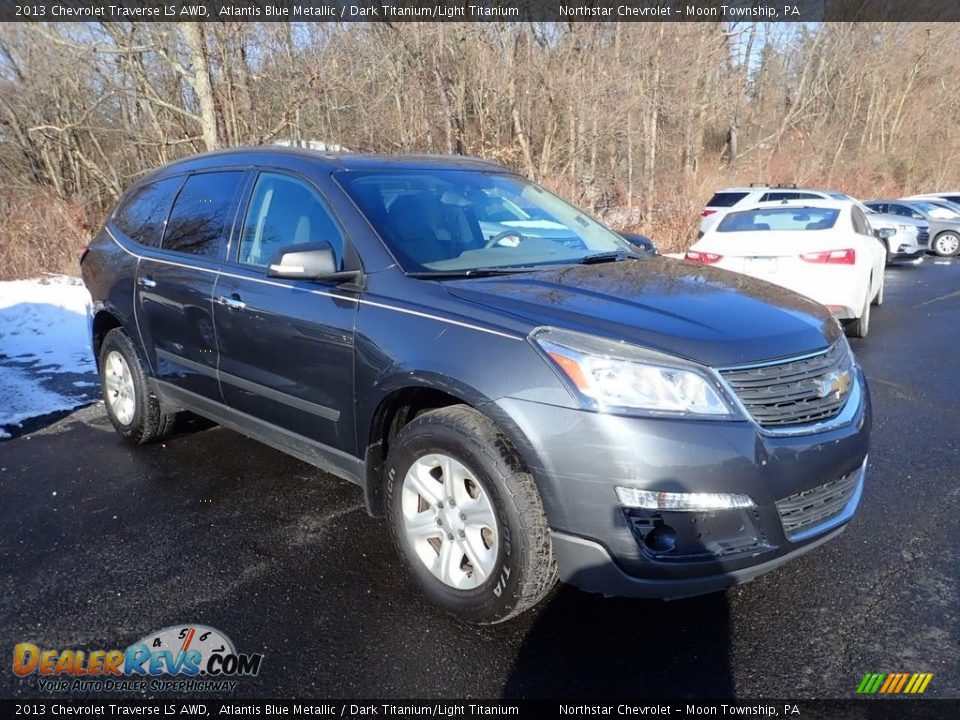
pixel 45 359
pixel 4 434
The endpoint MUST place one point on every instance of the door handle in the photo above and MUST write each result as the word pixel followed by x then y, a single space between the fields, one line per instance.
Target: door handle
pixel 233 303
pixel 146 282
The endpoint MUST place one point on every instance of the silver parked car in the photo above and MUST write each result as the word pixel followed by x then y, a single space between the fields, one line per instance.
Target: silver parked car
pixel 953 197
pixel 944 222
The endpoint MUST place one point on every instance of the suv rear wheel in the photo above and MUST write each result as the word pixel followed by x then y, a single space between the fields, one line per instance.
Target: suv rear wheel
pixel 466 517
pixel 131 405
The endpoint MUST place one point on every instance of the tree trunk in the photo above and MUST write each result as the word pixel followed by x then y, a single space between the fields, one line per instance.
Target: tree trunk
pixel 193 34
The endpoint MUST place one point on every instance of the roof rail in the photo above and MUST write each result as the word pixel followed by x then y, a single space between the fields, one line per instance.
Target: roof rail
pixel 759 184
pixel 789 186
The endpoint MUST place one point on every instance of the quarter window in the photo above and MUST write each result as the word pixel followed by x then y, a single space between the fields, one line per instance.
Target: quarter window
pixel 285 211
pixel 144 213
pixel 200 213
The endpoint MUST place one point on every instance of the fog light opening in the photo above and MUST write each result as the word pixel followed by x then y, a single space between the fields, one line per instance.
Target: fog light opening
pixel 661 539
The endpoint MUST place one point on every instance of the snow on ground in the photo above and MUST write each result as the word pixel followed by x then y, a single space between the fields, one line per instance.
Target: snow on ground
pixel 45 360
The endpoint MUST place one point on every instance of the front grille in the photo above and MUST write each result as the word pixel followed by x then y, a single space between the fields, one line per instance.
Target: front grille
pixel 796 392
pixel 811 508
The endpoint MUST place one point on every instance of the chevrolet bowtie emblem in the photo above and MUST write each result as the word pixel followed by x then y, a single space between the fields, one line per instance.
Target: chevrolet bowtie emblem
pixel 836 382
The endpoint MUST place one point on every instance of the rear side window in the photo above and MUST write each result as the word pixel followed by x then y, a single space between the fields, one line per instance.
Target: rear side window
pixel 200 212
pixel 144 213
pixel 726 199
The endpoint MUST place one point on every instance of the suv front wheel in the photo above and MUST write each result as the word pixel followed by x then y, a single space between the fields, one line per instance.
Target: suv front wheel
pixel 466 517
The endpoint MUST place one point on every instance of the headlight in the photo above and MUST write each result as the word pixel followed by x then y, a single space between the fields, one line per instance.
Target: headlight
pixel 620 378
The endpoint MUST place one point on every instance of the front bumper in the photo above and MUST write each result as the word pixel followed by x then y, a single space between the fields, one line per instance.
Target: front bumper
pixel 578 459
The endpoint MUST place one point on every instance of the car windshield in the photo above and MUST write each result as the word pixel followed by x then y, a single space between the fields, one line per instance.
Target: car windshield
pixel 781 218
pixel 457 221
pixel 936 211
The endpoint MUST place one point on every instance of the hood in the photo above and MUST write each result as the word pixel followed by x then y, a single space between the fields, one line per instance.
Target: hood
pixel 704 314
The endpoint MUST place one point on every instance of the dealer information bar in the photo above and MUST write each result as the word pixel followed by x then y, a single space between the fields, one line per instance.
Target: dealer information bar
pixel 679 710
pixel 480 10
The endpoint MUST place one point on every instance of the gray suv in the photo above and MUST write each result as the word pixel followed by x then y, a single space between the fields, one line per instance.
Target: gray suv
pixel 521 406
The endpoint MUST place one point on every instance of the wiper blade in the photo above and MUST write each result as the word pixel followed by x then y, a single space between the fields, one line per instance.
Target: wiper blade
pixel 613 256
pixel 473 272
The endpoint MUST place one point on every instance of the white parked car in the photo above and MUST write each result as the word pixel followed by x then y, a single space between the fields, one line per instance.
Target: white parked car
pixel 824 249
pixel 910 238
pixel 738 198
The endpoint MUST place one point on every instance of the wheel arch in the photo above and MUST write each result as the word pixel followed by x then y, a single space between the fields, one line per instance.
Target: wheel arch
pixel 404 403
pixel 103 322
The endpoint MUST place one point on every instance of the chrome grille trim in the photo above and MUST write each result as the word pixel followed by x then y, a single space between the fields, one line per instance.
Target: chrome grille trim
pixel 785 394
pixel 822 508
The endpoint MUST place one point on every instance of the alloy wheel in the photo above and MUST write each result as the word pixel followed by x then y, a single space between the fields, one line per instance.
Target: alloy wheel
pixel 118 387
pixel 449 521
pixel 947 244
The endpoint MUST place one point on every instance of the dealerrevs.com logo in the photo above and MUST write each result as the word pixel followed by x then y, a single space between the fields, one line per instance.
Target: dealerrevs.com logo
pixel 182 658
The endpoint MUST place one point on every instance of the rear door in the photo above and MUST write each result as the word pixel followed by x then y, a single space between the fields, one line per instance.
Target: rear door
pixel 286 346
pixel 175 283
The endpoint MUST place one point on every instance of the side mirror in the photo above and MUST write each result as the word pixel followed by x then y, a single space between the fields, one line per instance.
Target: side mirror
pixel 641 243
pixel 885 233
pixel 309 261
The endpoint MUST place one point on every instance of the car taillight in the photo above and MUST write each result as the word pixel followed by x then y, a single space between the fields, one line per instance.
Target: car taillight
pixel 831 257
pixel 702 257
pixel 83 253
pixel 707 212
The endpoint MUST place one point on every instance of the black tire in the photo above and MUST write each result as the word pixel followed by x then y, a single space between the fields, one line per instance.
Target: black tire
pixel 525 570
pixel 149 422
pixel 861 326
pixel 878 298
pixel 890 257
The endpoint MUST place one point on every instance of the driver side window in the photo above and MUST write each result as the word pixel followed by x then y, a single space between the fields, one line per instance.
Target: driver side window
pixel 285 211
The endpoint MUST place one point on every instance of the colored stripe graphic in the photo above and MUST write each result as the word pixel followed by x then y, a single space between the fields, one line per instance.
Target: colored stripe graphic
pixel 894 683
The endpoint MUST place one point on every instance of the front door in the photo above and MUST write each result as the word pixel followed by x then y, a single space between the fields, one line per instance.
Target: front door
pixel 286 346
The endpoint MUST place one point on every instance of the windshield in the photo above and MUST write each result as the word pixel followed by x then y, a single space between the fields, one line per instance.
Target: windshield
pixel 944 210
pixel 781 218
pixel 936 211
pixel 461 220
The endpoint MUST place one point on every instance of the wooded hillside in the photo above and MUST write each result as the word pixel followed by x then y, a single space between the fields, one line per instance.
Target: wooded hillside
pixel 640 122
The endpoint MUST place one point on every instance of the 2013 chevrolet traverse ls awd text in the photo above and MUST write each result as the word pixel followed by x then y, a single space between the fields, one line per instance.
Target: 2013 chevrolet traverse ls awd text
pixel 522 395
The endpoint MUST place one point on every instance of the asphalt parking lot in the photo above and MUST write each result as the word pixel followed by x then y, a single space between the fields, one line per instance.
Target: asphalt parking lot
pixel 101 543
